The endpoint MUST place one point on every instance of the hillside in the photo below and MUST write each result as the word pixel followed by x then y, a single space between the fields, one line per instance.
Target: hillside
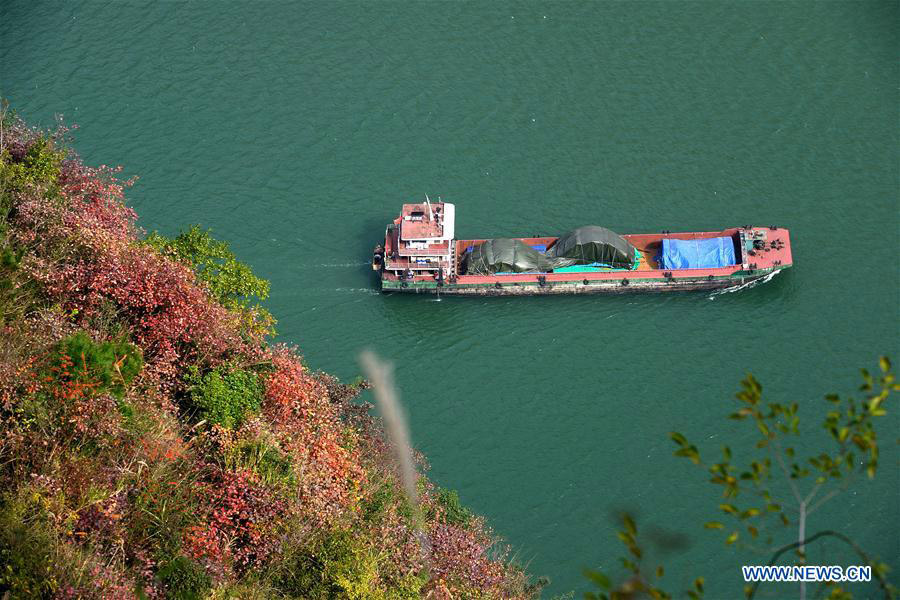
pixel 154 443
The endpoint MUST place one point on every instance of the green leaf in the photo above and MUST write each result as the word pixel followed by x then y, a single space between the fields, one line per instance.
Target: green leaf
pixel 885 363
pixel 729 508
pixel 713 525
pixel 691 453
pixel 629 524
pixel 867 378
pixel 875 404
pixel 732 538
pixel 600 579
pixel 678 438
pixel 659 571
pixel 698 584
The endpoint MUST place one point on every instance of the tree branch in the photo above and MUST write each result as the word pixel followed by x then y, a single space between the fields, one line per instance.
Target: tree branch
pixel 784 468
pixel 827 533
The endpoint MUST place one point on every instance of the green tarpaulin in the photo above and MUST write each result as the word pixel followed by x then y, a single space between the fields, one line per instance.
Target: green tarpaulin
pixel 505 255
pixel 593 244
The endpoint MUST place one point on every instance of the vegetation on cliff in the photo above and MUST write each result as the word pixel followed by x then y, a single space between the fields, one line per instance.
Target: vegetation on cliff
pixel 153 443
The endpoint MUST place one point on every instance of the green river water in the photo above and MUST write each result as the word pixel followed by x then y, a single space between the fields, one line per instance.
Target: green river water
pixel 296 131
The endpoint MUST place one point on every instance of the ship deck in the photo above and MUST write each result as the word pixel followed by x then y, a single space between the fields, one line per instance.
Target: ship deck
pixel 773 256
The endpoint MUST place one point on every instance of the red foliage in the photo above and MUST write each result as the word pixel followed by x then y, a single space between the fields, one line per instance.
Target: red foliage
pixel 310 427
pixel 241 523
pixel 101 521
pixel 82 246
pixel 86 253
pixel 461 554
pixel 171 317
pixel 97 200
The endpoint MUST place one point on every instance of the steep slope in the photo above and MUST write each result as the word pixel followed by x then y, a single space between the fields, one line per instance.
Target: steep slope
pixel 153 442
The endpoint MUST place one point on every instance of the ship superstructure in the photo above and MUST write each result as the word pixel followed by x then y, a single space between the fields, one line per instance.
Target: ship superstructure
pixel 419 243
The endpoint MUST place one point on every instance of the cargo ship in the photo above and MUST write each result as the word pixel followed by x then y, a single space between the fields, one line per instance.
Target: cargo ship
pixel 420 254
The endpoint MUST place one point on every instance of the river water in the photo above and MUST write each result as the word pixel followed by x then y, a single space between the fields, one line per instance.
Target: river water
pixel 296 131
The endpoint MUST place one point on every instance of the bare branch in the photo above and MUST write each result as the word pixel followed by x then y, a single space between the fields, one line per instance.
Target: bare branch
pixel 828 533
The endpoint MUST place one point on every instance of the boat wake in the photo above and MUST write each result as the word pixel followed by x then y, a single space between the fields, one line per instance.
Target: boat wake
pixel 370 291
pixel 744 286
pixel 336 265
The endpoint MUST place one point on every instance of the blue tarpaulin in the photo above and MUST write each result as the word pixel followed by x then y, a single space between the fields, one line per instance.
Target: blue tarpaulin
pixel 706 253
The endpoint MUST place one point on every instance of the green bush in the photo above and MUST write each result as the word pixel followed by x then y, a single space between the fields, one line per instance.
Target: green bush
pixel 339 565
pixel 454 512
pixel 387 494
pixel 230 281
pixel 27 543
pixel 41 162
pixel 184 579
pixel 113 365
pixel 39 166
pixel 224 397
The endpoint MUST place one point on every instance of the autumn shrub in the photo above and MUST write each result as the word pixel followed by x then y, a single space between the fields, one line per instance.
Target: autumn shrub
pixel 82 250
pixel 170 318
pixel 231 282
pixel 240 528
pixel 310 426
pixel 461 557
pixel 223 397
pixel 36 561
pixel 113 349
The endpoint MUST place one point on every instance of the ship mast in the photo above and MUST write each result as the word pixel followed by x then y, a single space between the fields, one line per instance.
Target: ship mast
pixel 428 203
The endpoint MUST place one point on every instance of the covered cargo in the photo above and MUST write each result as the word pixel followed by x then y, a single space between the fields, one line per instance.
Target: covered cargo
pixel 704 253
pixel 592 244
pixel 506 255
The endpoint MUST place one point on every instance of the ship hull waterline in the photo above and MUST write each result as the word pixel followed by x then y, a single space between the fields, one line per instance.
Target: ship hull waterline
pixel 547 284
